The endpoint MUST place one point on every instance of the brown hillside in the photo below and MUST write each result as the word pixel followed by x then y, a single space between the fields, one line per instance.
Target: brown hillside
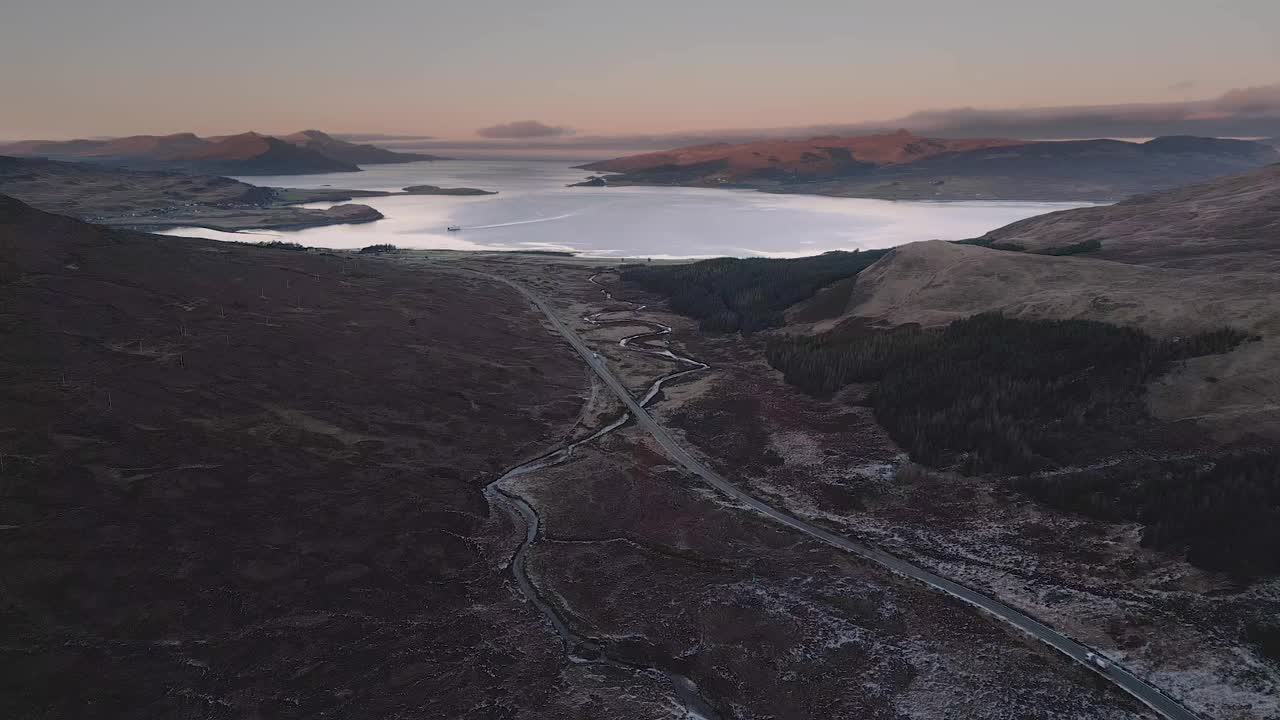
pixel 360 154
pixel 1230 223
pixel 232 147
pixel 232 472
pixel 935 282
pixel 815 155
pixel 254 154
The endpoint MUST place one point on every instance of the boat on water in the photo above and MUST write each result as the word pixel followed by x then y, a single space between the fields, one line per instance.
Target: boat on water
pixel 454 228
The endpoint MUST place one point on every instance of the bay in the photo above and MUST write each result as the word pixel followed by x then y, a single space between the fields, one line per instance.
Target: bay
pixel 535 210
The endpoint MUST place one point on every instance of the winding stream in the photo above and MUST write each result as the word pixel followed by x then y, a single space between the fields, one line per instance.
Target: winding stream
pixel 580 648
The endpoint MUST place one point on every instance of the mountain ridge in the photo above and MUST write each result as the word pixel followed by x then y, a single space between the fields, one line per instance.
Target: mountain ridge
pixel 904 166
pixel 357 153
pixel 248 153
pixel 809 156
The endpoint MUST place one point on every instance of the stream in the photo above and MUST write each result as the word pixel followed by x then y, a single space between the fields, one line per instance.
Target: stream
pixel 581 648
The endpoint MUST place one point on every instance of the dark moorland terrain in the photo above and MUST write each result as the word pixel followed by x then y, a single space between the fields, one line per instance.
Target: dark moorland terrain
pixel 231 486
pixel 255 482
pixel 903 166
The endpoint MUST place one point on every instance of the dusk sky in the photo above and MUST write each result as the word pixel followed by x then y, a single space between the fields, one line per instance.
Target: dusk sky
pixel 558 67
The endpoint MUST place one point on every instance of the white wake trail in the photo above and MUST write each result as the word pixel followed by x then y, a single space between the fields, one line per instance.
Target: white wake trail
pixel 522 222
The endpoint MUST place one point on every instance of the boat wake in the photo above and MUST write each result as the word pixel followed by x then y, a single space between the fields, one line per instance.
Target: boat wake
pixel 522 222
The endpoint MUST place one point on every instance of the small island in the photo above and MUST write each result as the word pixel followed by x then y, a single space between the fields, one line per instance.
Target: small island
pixel 435 190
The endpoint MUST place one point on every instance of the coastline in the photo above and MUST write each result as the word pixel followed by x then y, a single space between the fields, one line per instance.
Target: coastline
pixel 891 192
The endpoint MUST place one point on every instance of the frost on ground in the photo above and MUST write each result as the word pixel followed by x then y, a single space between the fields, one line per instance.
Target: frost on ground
pixel 1177 626
pixel 648 559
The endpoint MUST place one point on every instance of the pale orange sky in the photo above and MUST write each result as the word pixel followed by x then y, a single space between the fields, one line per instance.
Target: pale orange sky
pixel 446 69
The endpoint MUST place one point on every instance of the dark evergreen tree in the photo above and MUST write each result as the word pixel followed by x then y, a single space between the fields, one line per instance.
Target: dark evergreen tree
pixel 746 295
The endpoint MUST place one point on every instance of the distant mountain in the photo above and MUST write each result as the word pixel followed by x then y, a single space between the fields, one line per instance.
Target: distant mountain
pixel 148 199
pixel 795 159
pixel 309 151
pixel 254 154
pixel 360 154
pixel 902 166
pixel 138 147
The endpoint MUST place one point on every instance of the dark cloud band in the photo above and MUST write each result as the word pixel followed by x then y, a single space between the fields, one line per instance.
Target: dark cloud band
pixel 523 129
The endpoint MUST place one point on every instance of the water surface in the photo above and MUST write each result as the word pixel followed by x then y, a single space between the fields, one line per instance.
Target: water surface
pixel 535 210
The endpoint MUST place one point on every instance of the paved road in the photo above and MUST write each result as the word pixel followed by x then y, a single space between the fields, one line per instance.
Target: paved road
pixel 1148 694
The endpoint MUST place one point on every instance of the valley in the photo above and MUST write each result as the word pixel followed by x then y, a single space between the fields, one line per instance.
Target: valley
pixel 659 502
pixel 1188 605
pixel 675 597
pixel 640 361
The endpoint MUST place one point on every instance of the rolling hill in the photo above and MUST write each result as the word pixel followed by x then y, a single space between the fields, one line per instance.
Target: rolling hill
pixel 814 157
pixel 357 153
pixel 1231 223
pixel 1172 264
pixel 254 154
pixel 135 146
pixel 153 199
pixel 935 282
pixel 903 166
pixel 309 151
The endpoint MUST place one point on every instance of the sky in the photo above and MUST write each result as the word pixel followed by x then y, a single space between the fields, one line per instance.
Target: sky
pixel 497 71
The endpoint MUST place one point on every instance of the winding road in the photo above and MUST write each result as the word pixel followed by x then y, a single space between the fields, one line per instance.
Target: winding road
pixel 1148 694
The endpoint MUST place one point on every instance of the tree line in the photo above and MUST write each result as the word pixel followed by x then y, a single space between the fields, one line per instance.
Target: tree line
pixel 1222 513
pixel 991 393
pixel 1084 246
pixel 746 294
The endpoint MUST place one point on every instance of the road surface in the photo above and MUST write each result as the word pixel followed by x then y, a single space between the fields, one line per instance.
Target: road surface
pixel 1147 694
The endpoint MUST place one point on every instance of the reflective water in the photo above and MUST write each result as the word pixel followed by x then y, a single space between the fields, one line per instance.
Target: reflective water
pixel 535 210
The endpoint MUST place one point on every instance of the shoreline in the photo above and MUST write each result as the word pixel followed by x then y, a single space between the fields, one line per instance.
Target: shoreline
pixel 905 195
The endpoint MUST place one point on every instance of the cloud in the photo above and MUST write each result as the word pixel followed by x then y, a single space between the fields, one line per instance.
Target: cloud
pixel 1262 100
pixel 1239 112
pixel 1181 86
pixel 523 129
